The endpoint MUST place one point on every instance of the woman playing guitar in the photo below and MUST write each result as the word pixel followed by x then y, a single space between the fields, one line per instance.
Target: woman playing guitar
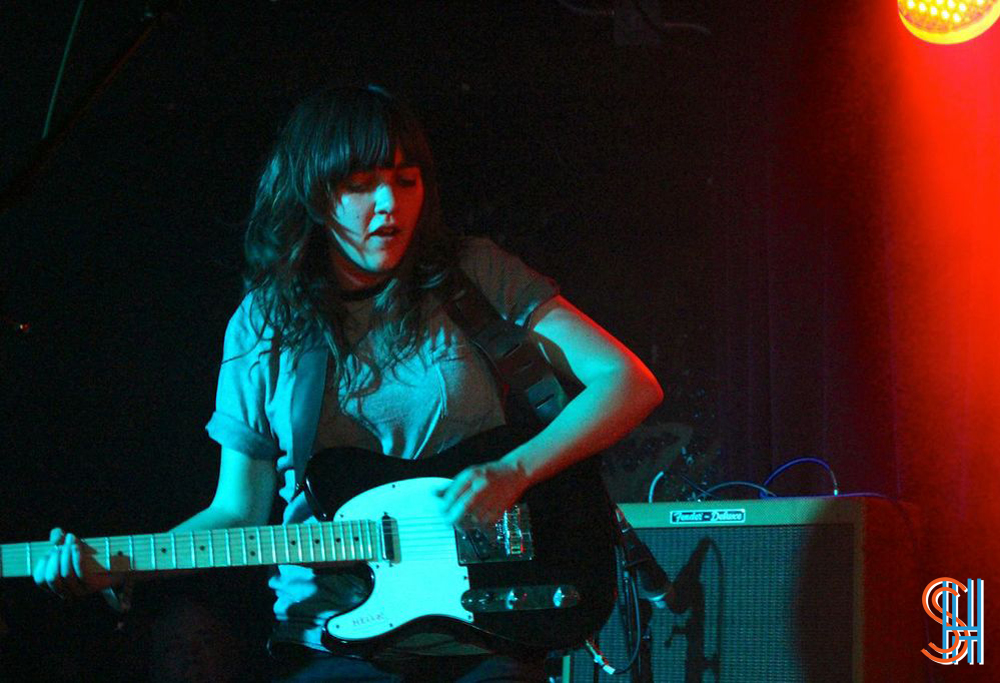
pixel 342 340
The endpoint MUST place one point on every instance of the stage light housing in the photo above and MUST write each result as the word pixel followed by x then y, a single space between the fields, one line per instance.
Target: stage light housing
pixel 948 21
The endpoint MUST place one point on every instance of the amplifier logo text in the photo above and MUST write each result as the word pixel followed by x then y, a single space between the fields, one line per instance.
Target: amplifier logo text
pixel 960 638
pixel 738 516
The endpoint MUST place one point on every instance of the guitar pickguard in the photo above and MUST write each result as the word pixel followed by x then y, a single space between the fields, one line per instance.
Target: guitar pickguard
pixel 424 579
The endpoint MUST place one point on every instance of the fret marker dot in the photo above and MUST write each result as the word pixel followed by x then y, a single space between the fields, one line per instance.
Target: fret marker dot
pixel 252 553
pixel 120 553
pixel 201 547
pixel 293 542
pixel 163 550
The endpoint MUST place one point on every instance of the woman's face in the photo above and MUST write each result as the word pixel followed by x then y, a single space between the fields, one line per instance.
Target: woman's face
pixel 373 219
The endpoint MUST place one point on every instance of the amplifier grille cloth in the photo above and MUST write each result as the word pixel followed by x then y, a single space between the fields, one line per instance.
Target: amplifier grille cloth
pixel 777 607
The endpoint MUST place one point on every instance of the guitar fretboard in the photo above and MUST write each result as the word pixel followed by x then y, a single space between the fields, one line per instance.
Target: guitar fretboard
pixel 347 541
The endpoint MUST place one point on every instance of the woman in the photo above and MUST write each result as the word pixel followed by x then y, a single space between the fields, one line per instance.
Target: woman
pixel 341 339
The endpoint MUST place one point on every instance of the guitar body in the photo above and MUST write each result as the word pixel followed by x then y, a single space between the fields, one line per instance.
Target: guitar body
pixel 550 586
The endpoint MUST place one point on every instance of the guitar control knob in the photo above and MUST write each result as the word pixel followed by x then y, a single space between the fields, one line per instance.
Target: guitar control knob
pixel 558 597
pixel 565 596
pixel 514 599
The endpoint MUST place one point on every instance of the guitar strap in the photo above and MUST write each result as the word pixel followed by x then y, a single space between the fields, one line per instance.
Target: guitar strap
pixel 531 392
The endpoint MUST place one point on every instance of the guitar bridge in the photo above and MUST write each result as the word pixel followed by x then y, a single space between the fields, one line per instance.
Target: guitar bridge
pixel 509 539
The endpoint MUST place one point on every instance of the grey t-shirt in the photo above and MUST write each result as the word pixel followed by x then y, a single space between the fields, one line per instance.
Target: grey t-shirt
pixel 438 396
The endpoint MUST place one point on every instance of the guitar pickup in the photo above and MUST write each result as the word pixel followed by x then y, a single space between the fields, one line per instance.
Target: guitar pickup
pixel 390 538
pixel 517 598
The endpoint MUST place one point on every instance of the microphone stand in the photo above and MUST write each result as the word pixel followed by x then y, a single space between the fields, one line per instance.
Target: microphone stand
pixel 643 671
pixel 23 181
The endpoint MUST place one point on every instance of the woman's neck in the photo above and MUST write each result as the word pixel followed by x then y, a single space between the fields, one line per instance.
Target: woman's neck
pixel 362 293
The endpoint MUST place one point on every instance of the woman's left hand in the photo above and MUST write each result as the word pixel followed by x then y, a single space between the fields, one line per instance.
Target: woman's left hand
pixel 480 494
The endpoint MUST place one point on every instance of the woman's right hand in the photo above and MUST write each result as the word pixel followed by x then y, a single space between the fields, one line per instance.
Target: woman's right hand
pixel 68 571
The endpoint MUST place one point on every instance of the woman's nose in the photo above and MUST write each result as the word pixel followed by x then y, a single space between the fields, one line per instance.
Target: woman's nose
pixel 385 198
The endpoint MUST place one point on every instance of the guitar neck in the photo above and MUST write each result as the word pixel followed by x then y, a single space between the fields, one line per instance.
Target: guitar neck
pixel 324 542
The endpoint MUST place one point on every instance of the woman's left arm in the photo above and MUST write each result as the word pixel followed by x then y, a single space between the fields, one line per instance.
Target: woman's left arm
pixel 619 392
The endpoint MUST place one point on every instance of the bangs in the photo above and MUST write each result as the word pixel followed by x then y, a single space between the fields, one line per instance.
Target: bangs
pixel 372 146
pixel 340 131
pixel 375 130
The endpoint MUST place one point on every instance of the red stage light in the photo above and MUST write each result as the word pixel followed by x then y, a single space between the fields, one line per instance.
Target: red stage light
pixel 948 21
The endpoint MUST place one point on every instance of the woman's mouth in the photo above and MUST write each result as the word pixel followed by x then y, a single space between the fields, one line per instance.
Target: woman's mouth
pixel 385 232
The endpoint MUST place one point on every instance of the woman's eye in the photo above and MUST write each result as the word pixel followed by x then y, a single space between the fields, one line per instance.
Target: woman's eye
pixel 357 185
pixel 365 183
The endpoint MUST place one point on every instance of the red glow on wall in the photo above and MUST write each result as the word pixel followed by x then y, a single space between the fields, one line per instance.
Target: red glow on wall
pixel 942 195
pixel 944 179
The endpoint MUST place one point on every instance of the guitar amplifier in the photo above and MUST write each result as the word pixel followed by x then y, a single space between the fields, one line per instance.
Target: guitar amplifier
pixel 795 590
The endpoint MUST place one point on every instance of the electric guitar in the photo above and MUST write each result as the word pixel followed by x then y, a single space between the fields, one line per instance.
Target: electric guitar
pixel 542 578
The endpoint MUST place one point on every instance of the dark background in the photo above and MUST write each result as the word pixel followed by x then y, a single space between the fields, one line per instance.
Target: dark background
pixel 716 201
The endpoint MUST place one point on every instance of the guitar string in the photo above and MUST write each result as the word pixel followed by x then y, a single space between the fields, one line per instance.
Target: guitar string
pixel 142 542
pixel 421 533
pixel 441 548
pixel 265 553
pixel 414 529
pixel 144 549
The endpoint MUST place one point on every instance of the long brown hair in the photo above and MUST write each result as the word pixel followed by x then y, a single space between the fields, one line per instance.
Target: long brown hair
pixel 289 271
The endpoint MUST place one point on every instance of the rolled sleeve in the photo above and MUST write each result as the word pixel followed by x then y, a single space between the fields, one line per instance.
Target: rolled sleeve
pixel 513 288
pixel 230 432
pixel 240 421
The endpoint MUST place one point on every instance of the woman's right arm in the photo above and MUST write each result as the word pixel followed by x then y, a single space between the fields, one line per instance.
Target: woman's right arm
pixel 243 497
